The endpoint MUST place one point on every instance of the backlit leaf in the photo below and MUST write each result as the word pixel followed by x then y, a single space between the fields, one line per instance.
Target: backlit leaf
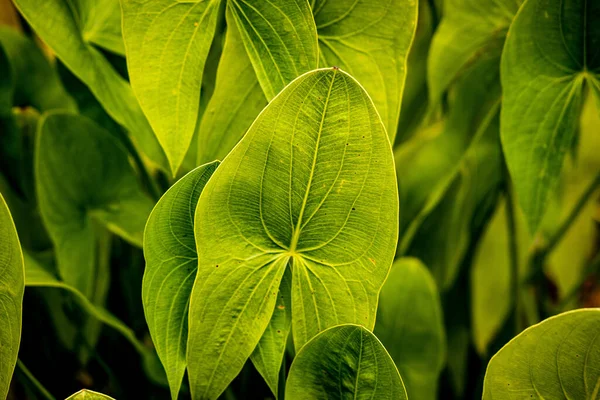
pixel 410 325
pixel 87 394
pixel 319 160
pixel 344 362
pixel 555 359
pixel 11 296
pixel 167 45
pixel 550 52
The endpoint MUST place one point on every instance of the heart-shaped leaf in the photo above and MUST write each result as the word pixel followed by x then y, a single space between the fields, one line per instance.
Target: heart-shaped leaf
pixel 171 264
pixel 72 34
pixel 345 361
pixel 12 281
pixel 544 68
pixel 410 326
pixel 319 160
pixel 555 359
pixel 81 180
pixel 167 44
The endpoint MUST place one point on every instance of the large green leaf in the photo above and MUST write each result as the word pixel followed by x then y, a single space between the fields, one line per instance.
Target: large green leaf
pixel 551 50
pixel 87 394
pixel 71 33
pixel 36 83
pixel 167 45
pixel 371 40
pixel 81 180
pixel 319 160
pixel 171 264
pixel 410 325
pixel 236 101
pixel 280 38
pixel 556 359
pixel 469 30
pixel 11 296
pixel 344 362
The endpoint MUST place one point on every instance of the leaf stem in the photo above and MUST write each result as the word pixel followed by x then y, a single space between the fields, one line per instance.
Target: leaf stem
pixel 513 252
pixel 40 388
pixel 147 180
pixel 592 269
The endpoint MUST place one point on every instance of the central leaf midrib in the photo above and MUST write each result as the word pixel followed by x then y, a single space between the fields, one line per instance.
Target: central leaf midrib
pixel 297 229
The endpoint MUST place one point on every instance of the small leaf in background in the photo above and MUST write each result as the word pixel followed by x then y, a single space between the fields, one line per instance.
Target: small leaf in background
pixel 236 101
pixel 70 33
pixel 280 38
pixel 544 68
pixel 371 40
pixel 555 359
pixel 345 361
pixel 87 394
pixel 469 30
pixel 11 296
pixel 167 45
pixel 319 160
pixel 82 180
pixel 171 265
pixel 410 326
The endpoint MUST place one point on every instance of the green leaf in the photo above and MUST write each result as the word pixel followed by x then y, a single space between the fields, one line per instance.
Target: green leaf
pixel 371 40
pixel 171 265
pixel 36 83
pixel 11 296
pixel 470 30
pixel 70 34
pixel 167 45
pixel 345 361
pixel 82 180
pixel 319 160
pixel 268 355
pixel 235 103
pixel 87 394
pixel 555 359
pixel 410 325
pixel 280 38
pixel 544 67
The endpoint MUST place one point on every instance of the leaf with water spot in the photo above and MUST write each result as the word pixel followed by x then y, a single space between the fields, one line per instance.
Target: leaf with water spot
pixel 550 53
pixel 344 362
pixel 558 358
pixel 310 187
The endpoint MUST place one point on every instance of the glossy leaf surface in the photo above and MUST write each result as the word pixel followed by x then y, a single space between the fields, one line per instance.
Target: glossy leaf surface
pixel 343 362
pixel 544 67
pixel 410 326
pixel 319 160
pixel 11 296
pixel 171 265
pixel 555 359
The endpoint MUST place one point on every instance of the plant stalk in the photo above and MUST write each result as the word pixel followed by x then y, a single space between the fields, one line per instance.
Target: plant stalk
pixel 40 388
pixel 513 252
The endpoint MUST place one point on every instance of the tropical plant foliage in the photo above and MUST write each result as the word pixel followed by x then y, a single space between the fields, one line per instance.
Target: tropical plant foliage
pixel 299 199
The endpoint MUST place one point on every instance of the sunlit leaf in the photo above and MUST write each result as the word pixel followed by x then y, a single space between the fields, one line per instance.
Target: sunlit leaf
pixel 555 359
pixel 11 296
pixel 319 160
pixel 167 45
pixel 410 326
pixel 345 361
pixel 87 394
pixel 82 180
pixel 280 38
pixel 171 265
pixel 70 32
pixel 370 39
pixel 544 68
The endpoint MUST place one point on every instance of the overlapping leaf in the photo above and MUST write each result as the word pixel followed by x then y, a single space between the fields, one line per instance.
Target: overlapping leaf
pixel 319 161
pixel 345 361
pixel 551 51
pixel 167 45
pixel 556 359
pixel 72 32
pixel 410 325
pixel 82 180
pixel 11 296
